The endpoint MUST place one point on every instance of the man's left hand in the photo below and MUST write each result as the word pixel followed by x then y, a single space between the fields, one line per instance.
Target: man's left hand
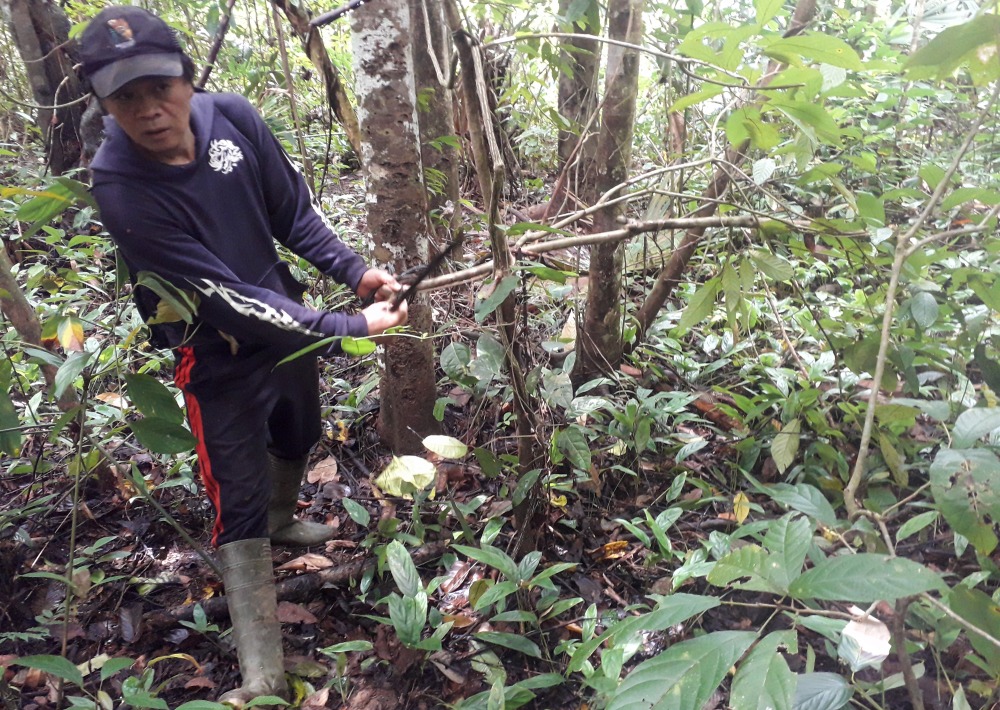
pixel 377 285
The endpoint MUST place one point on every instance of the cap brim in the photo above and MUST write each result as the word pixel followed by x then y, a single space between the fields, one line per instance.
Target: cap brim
pixel 107 80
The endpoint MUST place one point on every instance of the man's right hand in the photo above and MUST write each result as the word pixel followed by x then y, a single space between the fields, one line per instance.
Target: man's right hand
pixel 381 316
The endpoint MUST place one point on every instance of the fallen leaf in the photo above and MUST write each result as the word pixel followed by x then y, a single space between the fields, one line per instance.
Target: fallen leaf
pixel 316 701
pixel 450 673
pixel 200 681
pixel 309 562
pixel 459 621
pixel 630 371
pixel 741 507
pixel 113 398
pixel 614 550
pixel 324 472
pixel 457 574
pixel 289 613
pixel 864 642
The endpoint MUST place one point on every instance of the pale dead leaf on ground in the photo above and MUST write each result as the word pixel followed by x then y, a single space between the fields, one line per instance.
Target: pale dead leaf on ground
pixel 113 398
pixel 456 576
pixel 200 681
pixel 324 472
pixel 450 673
pixel 289 613
pixel 316 701
pixel 309 562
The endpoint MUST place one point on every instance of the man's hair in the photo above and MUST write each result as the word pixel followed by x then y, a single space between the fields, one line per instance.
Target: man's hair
pixel 187 67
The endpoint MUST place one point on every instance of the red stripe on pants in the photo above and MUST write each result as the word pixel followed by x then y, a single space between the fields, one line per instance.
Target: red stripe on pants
pixel 182 378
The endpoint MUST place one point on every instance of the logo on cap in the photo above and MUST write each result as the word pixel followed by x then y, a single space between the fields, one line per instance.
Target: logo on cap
pixel 120 33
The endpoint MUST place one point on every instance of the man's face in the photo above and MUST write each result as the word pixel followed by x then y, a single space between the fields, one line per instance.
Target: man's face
pixel 155 112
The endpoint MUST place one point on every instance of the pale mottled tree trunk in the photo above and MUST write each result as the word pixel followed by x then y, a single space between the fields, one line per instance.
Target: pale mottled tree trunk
pixel 397 206
pixel 41 31
pixel 600 342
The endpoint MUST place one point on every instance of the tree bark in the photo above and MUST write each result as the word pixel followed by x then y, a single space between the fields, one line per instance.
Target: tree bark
pixel 16 309
pixel 315 49
pixel 669 277
pixel 600 343
pixel 41 32
pixel 397 208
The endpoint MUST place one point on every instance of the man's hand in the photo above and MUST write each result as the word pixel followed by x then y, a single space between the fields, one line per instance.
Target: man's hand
pixel 377 285
pixel 381 316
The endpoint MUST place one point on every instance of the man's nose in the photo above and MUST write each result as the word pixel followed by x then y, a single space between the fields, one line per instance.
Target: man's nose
pixel 147 106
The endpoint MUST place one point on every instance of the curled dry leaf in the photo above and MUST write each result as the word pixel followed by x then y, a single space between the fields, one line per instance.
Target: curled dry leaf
pixel 864 642
pixel 309 562
pixel 324 472
pixel 289 613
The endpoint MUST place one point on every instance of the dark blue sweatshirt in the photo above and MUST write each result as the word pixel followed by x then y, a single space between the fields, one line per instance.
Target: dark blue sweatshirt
pixel 208 228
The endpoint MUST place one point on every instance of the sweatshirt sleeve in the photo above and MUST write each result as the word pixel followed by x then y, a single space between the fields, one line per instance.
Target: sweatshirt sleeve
pixel 296 221
pixel 247 312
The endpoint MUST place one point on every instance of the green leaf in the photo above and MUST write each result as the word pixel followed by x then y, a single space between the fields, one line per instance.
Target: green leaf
pixel 974 424
pixel 114 665
pixel 700 305
pixel 56 665
pixel 772 265
pixel 865 577
pixel 954 46
pixel 764 681
pixel 358 512
pixel 10 440
pixel 785 445
pixel 145 700
pixel 406 475
pixel 202 705
pixel 491 556
pixel 982 612
pixel 162 436
pixel 924 309
pixel 512 641
pixel 747 561
pixel 68 372
pixel 493 301
pixel 152 398
pixel 357 347
pixel 765 10
pixel 455 360
pixel 915 524
pixel 818 47
pixel 447 447
pixel 684 676
pixel 811 118
pixel 408 616
pixel 46 204
pixel 183 303
pixel 346 647
pixel 788 539
pixel 965 484
pixel 805 499
pixel 572 442
pixel 403 570
pixel 821 691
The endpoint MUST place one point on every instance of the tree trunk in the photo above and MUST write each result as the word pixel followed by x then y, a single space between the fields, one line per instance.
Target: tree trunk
pixel 312 43
pixel 435 110
pixel 41 32
pixel 578 99
pixel 600 342
pixel 397 207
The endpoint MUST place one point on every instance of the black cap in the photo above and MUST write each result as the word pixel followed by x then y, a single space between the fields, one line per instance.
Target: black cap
pixel 125 43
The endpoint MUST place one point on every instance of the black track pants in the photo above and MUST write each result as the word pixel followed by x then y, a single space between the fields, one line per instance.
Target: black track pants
pixel 239 408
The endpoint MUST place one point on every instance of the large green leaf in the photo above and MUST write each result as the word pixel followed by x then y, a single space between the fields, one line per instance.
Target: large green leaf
pixel 684 676
pixel 765 10
pixel 56 665
pixel 408 616
pixel 700 305
pixel 68 372
pixel 489 304
pixel 788 539
pixel 748 561
pixel 402 568
pixel 965 484
pixel 10 437
pixel 406 475
pixel 974 424
pixel 982 612
pixel 573 442
pixel 764 681
pixel 955 46
pixel 785 445
pixel 821 691
pixel 512 641
pixel 152 398
pixel 491 556
pixel 805 499
pixel 865 577
pixel 819 47
pixel 772 265
pixel 162 436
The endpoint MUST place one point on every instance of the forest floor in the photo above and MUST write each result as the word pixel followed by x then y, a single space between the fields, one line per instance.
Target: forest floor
pixel 140 585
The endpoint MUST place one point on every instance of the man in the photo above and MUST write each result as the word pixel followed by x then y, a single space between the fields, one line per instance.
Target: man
pixel 194 188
